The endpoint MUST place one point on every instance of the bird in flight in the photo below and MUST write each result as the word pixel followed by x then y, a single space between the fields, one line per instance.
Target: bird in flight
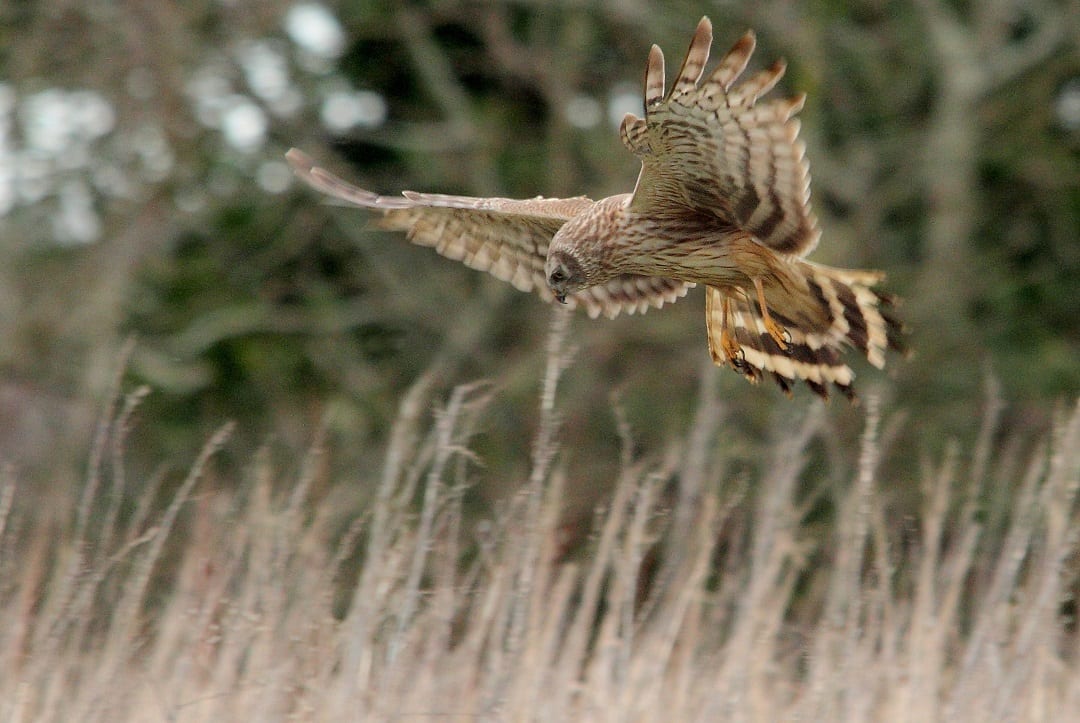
pixel 722 200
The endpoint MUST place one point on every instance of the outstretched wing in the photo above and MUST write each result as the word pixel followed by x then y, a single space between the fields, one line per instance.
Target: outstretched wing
pixel 508 238
pixel 710 147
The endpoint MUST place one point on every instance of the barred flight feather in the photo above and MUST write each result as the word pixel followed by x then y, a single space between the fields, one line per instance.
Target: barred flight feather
pixel 505 237
pixel 856 316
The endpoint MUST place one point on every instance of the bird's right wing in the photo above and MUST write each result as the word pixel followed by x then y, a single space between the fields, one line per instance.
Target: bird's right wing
pixel 508 238
pixel 708 146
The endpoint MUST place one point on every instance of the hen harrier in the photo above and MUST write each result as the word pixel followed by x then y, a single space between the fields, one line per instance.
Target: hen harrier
pixel 723 199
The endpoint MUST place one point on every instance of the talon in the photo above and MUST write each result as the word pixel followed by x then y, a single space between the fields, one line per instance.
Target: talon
pixel 731 348
pixel 739 360
pixel 787 340
pixel 778 333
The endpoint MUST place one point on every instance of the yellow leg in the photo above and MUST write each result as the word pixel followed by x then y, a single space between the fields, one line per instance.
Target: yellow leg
pixel 723 346
pixel 776 331
pixel 731 348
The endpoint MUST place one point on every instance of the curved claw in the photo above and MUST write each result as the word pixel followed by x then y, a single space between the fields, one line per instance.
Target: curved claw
pixel 780 335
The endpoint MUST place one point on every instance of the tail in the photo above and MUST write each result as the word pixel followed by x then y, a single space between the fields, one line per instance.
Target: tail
pixel 823 312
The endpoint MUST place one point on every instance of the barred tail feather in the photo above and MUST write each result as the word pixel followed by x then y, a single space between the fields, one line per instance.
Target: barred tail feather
pixel 836 310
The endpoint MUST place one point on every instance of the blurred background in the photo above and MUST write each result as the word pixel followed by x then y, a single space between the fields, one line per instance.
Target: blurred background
pixel 144 195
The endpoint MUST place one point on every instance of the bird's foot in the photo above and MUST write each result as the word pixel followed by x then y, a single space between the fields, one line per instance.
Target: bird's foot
pixel 778 333
pixel 731 348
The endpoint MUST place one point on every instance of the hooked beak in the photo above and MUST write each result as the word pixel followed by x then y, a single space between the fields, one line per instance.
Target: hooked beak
pixel 561 298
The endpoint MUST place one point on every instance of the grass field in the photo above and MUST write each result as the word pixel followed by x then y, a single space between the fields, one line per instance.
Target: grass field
pixel 696 595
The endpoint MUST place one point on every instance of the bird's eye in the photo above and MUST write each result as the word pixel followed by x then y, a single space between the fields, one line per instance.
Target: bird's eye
pixel 558 276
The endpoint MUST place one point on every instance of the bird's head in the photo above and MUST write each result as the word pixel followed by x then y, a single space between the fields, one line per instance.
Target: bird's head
pixel 580 254
pixel 565 275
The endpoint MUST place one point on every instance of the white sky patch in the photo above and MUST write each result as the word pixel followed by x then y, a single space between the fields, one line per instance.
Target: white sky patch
pixel 157 158
pixel 90 114
pixel 76 221
pixel 190 200
pixel 45 121
pixel 265 69
pixel 244 124
pixel 345 109
pixel 54 121
pixel 7 153
pixel 1067 105
pixel 7 108
pixel 273 176
pixel 624 98
pixel 583 111
pixel 109 179
pixel 33 172
pixel 76 157
pixel 288 104
pixel 210 92
pixel 7 182
pixel 7 99
pixel 315 30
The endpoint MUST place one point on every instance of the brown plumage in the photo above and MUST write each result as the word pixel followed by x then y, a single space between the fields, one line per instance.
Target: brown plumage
pixel 723 199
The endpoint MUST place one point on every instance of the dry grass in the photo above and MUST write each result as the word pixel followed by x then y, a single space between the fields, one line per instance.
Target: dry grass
pixel 239 613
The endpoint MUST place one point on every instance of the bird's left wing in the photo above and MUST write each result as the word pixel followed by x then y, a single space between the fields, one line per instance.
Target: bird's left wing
pixel 710 147
pixel 506 237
